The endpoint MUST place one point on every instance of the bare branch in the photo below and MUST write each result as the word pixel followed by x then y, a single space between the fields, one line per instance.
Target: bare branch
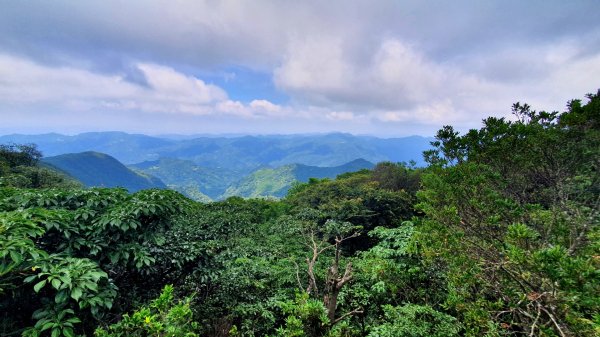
pixel 347 276
pixel 554 321
pixel 351 313
pixel 534 325
pixel 298 276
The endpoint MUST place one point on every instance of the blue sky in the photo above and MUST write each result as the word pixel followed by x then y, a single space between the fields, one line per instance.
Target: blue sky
pixel 384 68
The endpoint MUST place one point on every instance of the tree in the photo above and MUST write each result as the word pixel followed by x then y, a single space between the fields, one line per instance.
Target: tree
pixel 15 155
pixel 321 240
pixel 513 209
pixel 19 167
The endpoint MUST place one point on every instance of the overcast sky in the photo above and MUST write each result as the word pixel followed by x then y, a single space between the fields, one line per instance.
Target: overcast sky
pixel 385 68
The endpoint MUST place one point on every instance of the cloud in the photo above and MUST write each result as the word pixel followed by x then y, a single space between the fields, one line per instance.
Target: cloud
pixel 396 77
pixel 340 115
pixel 26 82
pixel 266 107
pixel 171 85
pixel 359 66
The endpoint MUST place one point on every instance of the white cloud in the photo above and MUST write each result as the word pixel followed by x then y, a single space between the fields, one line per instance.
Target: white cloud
pixel 25 82
pixel 258 108
pixel 340 115
pixel 316 64
pixel 169 84
pixel 265 105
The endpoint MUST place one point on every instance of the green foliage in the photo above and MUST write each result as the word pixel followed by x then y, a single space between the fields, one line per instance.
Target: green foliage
pixel 57 321
pixel 305 317
pixel 162 317
pixel 14 155
pixel 356 198
pixel 512 209
pixel 62 244
pixel 415 321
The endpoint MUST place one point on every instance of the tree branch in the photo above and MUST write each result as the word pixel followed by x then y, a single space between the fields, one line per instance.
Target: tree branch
pixel 351 313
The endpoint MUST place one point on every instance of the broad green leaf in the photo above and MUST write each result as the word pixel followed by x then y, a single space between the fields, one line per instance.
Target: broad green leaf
pixel 39 286
pixel 68 332
pixel 56 283
pixel 16 257
pixel 76 293
pixel 47 326
pixel 29 279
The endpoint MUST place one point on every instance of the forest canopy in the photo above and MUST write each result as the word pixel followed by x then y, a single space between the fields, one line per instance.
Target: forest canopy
pixel 497 236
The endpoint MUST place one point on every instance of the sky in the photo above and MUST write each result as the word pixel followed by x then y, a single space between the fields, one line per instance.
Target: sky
pixel 384 68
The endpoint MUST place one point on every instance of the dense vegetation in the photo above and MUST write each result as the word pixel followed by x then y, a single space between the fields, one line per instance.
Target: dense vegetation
pixel 497 236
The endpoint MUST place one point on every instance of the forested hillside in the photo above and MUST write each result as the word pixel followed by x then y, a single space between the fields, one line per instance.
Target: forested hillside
pixel 497 236
pixel 276 182
pixel 199 183
pixel 95 169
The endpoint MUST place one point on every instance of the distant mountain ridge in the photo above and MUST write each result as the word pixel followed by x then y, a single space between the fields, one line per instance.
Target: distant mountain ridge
pixel 207 184
pixel 240 154
pixel 213 167
pixel 269 182
pixel 95 169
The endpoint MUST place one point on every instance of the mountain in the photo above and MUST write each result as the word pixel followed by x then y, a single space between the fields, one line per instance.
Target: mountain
pixel 269 182
pixel 197 182
pixel 125 147
pixel 242 154
pixel 96 169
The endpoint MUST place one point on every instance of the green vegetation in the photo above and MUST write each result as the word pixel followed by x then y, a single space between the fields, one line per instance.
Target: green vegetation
pixel 95 169
pixel 276 182
pixel 206 184
pixel 198 183
pixel 19 168
pixel 498 236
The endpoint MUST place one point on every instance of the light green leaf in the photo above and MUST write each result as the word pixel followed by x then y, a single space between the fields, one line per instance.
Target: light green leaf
pixel 30 279
pixel 56 283
pixel 68 332
pixel 76 293
pixel 47 326
pixel 55 332
pixel 39 286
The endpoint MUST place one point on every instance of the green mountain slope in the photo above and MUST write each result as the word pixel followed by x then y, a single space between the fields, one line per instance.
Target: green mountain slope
pixel 199 183
pixel 99 169
pixel 269 182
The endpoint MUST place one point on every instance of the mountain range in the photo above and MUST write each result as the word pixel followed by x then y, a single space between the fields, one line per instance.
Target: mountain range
pixel 242 153
pixel 214 167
